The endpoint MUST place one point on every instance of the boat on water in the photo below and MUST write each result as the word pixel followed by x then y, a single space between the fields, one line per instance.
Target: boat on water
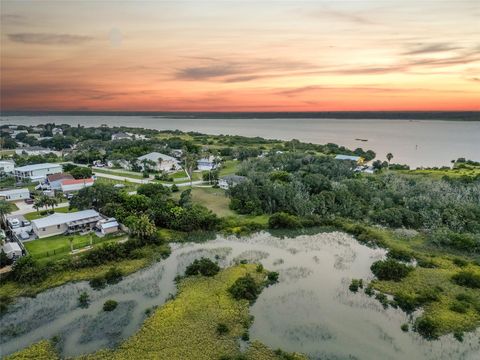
pixel 358 139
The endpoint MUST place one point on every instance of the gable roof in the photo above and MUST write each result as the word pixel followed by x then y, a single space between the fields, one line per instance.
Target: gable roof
pixel 155 156
pixel 347 157
pixel 59 218
pixel 14 191
pixel 37 167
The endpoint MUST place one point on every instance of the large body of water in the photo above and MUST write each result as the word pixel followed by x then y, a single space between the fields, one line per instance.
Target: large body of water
pixel 417 143
pixel 310 310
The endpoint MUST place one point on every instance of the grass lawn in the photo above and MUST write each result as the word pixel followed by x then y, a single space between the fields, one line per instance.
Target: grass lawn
pixel 129 186
pixel 57 247
pixel 34 215
pixel 213 199
pixel 129 174
pixel 229 167
pixel 179 175
pixel 454 173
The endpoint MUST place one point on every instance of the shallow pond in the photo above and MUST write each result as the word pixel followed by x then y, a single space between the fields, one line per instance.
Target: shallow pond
pixel 310 310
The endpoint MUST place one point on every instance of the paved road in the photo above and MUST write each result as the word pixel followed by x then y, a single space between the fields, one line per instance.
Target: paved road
pixel 122 178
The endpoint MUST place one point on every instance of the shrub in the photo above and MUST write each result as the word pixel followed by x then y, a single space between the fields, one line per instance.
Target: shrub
pixel 204 266
pixel 113 275
pixel 245 336
pixel 460 262
pixel 245 288
pixel 83 300
pixel 283 220
pixel 399 254
pixel 404 327
pixel 355 285
pixel 459 307
pixel 467 279
pixel 390 270
pixel 27 271
pixel 458 335
pixel 109 305
pixel 382 298
pixel 222 329
pixel 272 277
pixel 259 268
pixel 369 290
pixel 98 283
pixel 426 327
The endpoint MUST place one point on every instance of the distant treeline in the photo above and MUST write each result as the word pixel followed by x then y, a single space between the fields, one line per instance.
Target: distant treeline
pixel 393 115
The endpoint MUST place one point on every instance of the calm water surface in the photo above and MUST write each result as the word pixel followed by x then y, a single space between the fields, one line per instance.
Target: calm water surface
pixel 416 143
pixel 310 310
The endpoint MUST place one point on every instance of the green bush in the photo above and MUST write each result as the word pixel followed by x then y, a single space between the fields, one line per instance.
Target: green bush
pixel 110 305
pixel 401 255
pixel 272 277
pixel 83 300
pixel 390 270
pixel 204 266
pixel 98 283
pixel 113 275
pixel 355 285
pixel 283 220
pixel 404 327
pixel 245 288
pixel 467 279
pixel 460 307
pixel 427 327
pixel 27 271
pixel 222 329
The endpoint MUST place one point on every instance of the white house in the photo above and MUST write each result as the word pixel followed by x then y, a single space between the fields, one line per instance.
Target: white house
pixel 57 131
pixel 161 162
pixel 228 181
pixel 207 163
pixel 108 226
pixel 70 185
pixel 12 250
pixel 357 159
pixel 35 150
pixel 37 172
pixel 7 166
pixel 121 136
pixel 59 223
pixel 15 194
pixel 124 164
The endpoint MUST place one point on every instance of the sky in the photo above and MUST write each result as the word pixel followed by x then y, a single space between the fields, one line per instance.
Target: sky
pixel 240 55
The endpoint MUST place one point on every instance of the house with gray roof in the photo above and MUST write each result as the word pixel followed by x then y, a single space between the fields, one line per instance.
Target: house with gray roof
pixel 37 172
pixel 66 223
pixel 159 162
pixel 226 182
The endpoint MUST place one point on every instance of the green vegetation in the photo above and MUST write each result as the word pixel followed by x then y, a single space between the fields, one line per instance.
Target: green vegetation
pixel 59 246
pixel 355 285
pixel 204 266
pixel 110 305
pixel 43 350
pixel 390 270
pixel 84 300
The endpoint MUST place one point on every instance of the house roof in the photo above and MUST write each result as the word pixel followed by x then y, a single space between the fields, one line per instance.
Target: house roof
pixel 37 167
pixel 59 176
pixel 14 191
pixel 210 159
pixel 347 157
pixel 59 218
pixel 77 181
pixel 121 134
pixel 11 246
pixel 155 156
pixel 109 225
pixel 233 178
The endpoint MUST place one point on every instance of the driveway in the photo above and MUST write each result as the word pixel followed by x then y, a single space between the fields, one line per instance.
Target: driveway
pixel 24 208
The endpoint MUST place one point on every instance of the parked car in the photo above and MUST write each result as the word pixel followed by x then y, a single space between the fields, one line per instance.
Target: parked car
pixel 29 201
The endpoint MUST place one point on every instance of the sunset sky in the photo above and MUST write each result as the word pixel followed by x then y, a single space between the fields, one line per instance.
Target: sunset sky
pixel 240 56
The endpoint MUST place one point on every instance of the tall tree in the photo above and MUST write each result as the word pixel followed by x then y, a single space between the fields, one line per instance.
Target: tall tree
pixel 389 157
pixel 5 209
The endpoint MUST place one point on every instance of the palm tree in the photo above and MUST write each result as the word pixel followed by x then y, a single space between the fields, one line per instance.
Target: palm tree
pixel 5 209
pixel 389 157
pixel 190 162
